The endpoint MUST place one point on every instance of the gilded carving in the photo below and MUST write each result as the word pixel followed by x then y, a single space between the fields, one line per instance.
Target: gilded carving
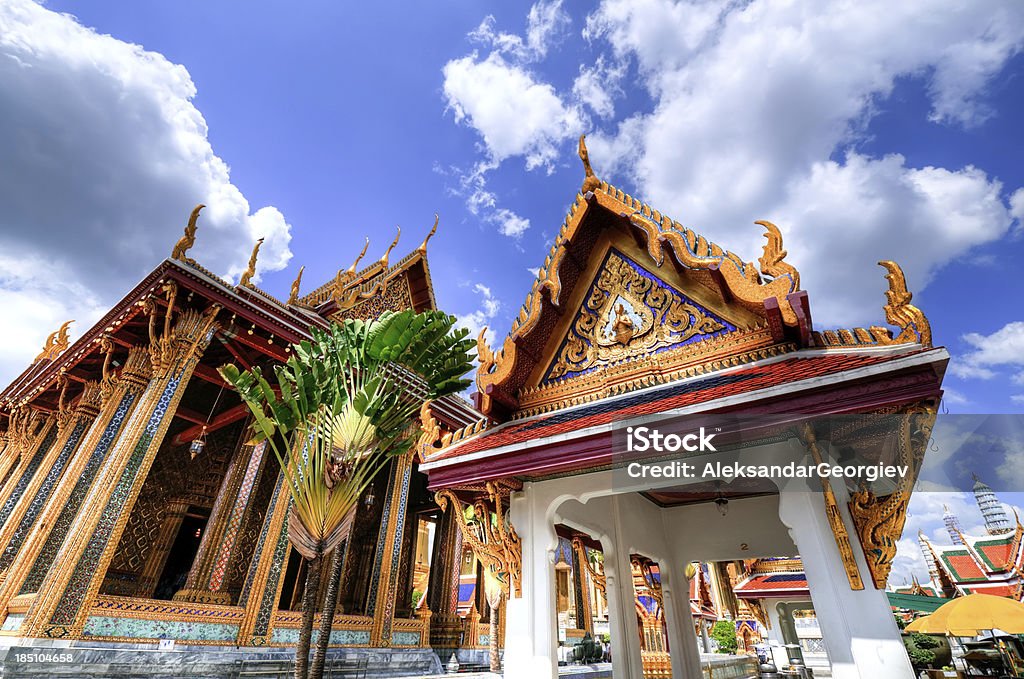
pixel 835 518
pixel 914 326
pixel 489 534
pixel 629 313
pixel 594 570
pixel 246 280
pixel 293 296
pixel 56 343
pixel 773 260
pixel 189 238
pixel 590 180
pixel 422 249
pixel 879 520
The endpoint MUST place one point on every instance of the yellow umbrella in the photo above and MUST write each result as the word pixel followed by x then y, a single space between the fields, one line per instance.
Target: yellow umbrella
pixel 966 616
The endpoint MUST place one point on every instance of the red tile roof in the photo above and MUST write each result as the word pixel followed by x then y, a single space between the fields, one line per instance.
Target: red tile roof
pixel 962 566
pixel 678 395
pixel 778 584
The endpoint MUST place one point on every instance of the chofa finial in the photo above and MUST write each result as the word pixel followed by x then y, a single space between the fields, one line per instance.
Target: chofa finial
pixel 900 312
pixel 590 180
pixel 387 253
pixel 773 260
pixel 422 249
pixel 189 239
pixel 56 343
pixel 250 271
pixel 293 296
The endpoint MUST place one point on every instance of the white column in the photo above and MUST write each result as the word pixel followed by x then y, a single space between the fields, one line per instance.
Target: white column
pixel 857 627
pixel 531 641
pixel 682 638
pixel 627 662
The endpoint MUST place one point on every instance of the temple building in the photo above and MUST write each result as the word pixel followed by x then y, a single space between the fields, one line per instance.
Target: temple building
pixel 986 564
pixel 135 509
pixel 634 316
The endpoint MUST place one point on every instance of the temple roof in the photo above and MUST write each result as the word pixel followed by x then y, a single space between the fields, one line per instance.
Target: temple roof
pixel 773 585
pixel 984 563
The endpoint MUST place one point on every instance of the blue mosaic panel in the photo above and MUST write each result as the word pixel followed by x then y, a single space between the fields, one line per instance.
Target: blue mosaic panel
pixel 405 638
pixel 26 476
pixel 67 515
pixel 78 585
pixel 261 542
pixel 339 637
pixel 42 495
pixel 180 630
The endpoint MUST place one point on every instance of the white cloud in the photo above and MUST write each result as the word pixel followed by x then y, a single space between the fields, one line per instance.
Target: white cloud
pixel 509 223
pixel 598 86
pixel 515 114
pixel 545 23
pixel 1004 347
pixel 953 397
pixel 104 156
pixel 482 315
pixel 752 102
pixel 1018 398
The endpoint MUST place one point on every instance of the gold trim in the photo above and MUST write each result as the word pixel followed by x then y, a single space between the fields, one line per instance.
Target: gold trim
pixel 189 239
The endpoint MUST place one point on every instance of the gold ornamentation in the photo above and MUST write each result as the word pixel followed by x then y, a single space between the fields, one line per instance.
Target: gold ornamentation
pixel 835 517
pixel 293 296
pixel 772 261
pixel 343 278
pixel 422 249
pixel 879 520
pixel 605 331
pixel 914 326
pixel 246 280
pixel 189 239
pixel 590 180
pixel 597 575
pixel 387 253
pixel 56 343
pixel 489 534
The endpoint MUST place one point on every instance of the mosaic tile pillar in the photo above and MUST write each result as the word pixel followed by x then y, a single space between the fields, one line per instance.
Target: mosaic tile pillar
pixel 206 581
pixel 443 586
pixel 161 548
pixel 19 520
pixel 36 556
pixel 581 592
pixel 61 607
pixel 386 563
pixel 33 450
pixel 262 587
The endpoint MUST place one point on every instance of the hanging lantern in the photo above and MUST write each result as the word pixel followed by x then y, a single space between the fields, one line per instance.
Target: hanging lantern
pixel 370 498
pixel 198 444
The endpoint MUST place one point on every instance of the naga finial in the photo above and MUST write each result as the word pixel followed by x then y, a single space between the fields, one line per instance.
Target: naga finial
pixel 590 180
pixel 189 239
pixel 772 261
pixel 293 296
pixel 56 343
pixel 250 271
pixel 422 249
pixel 900 312
pixel 387 253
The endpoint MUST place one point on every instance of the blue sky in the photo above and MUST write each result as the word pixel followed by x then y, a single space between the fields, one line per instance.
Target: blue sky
pixel 317 123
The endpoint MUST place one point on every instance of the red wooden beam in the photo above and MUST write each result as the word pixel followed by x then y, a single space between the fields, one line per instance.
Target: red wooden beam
pixel 208 374
pixel 229 416
pixel 190 415
pixel 236 351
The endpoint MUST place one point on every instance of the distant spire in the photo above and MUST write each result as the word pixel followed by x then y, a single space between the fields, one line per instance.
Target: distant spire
pixel 929 559
pixel 952 526
pixel 996 521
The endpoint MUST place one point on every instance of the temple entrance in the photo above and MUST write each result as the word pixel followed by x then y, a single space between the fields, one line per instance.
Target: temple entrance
pixel 182 554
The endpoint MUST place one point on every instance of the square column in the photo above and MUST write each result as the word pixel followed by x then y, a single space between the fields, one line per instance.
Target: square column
pixel 857 626
pixel 531 641
pixel 682 638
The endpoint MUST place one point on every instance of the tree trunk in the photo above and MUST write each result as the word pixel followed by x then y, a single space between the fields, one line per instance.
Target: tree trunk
pixel 309 602
pixel 316 671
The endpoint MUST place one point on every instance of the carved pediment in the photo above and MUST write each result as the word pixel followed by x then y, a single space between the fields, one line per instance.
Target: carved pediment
pixel 629 312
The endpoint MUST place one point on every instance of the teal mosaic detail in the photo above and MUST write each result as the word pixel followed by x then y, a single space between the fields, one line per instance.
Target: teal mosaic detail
pixel 136 628
pixel 67 515
pixel 74 594
pixel 339 637
pixel 42 495
pixel 405 638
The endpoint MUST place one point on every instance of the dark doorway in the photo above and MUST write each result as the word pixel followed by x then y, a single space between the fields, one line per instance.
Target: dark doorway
pixel 182 554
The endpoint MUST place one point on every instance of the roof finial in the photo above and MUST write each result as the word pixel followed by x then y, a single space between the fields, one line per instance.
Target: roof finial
pixel 773 260
pixel 250 271
pixel 900 312
pixel 189 239
pixel 590 181
pixel 387 253
pixel 56 343
pixel 293 296
pixel 422 249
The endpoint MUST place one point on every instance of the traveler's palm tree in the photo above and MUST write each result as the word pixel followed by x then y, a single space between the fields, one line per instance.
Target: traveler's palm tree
pixel 344 405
